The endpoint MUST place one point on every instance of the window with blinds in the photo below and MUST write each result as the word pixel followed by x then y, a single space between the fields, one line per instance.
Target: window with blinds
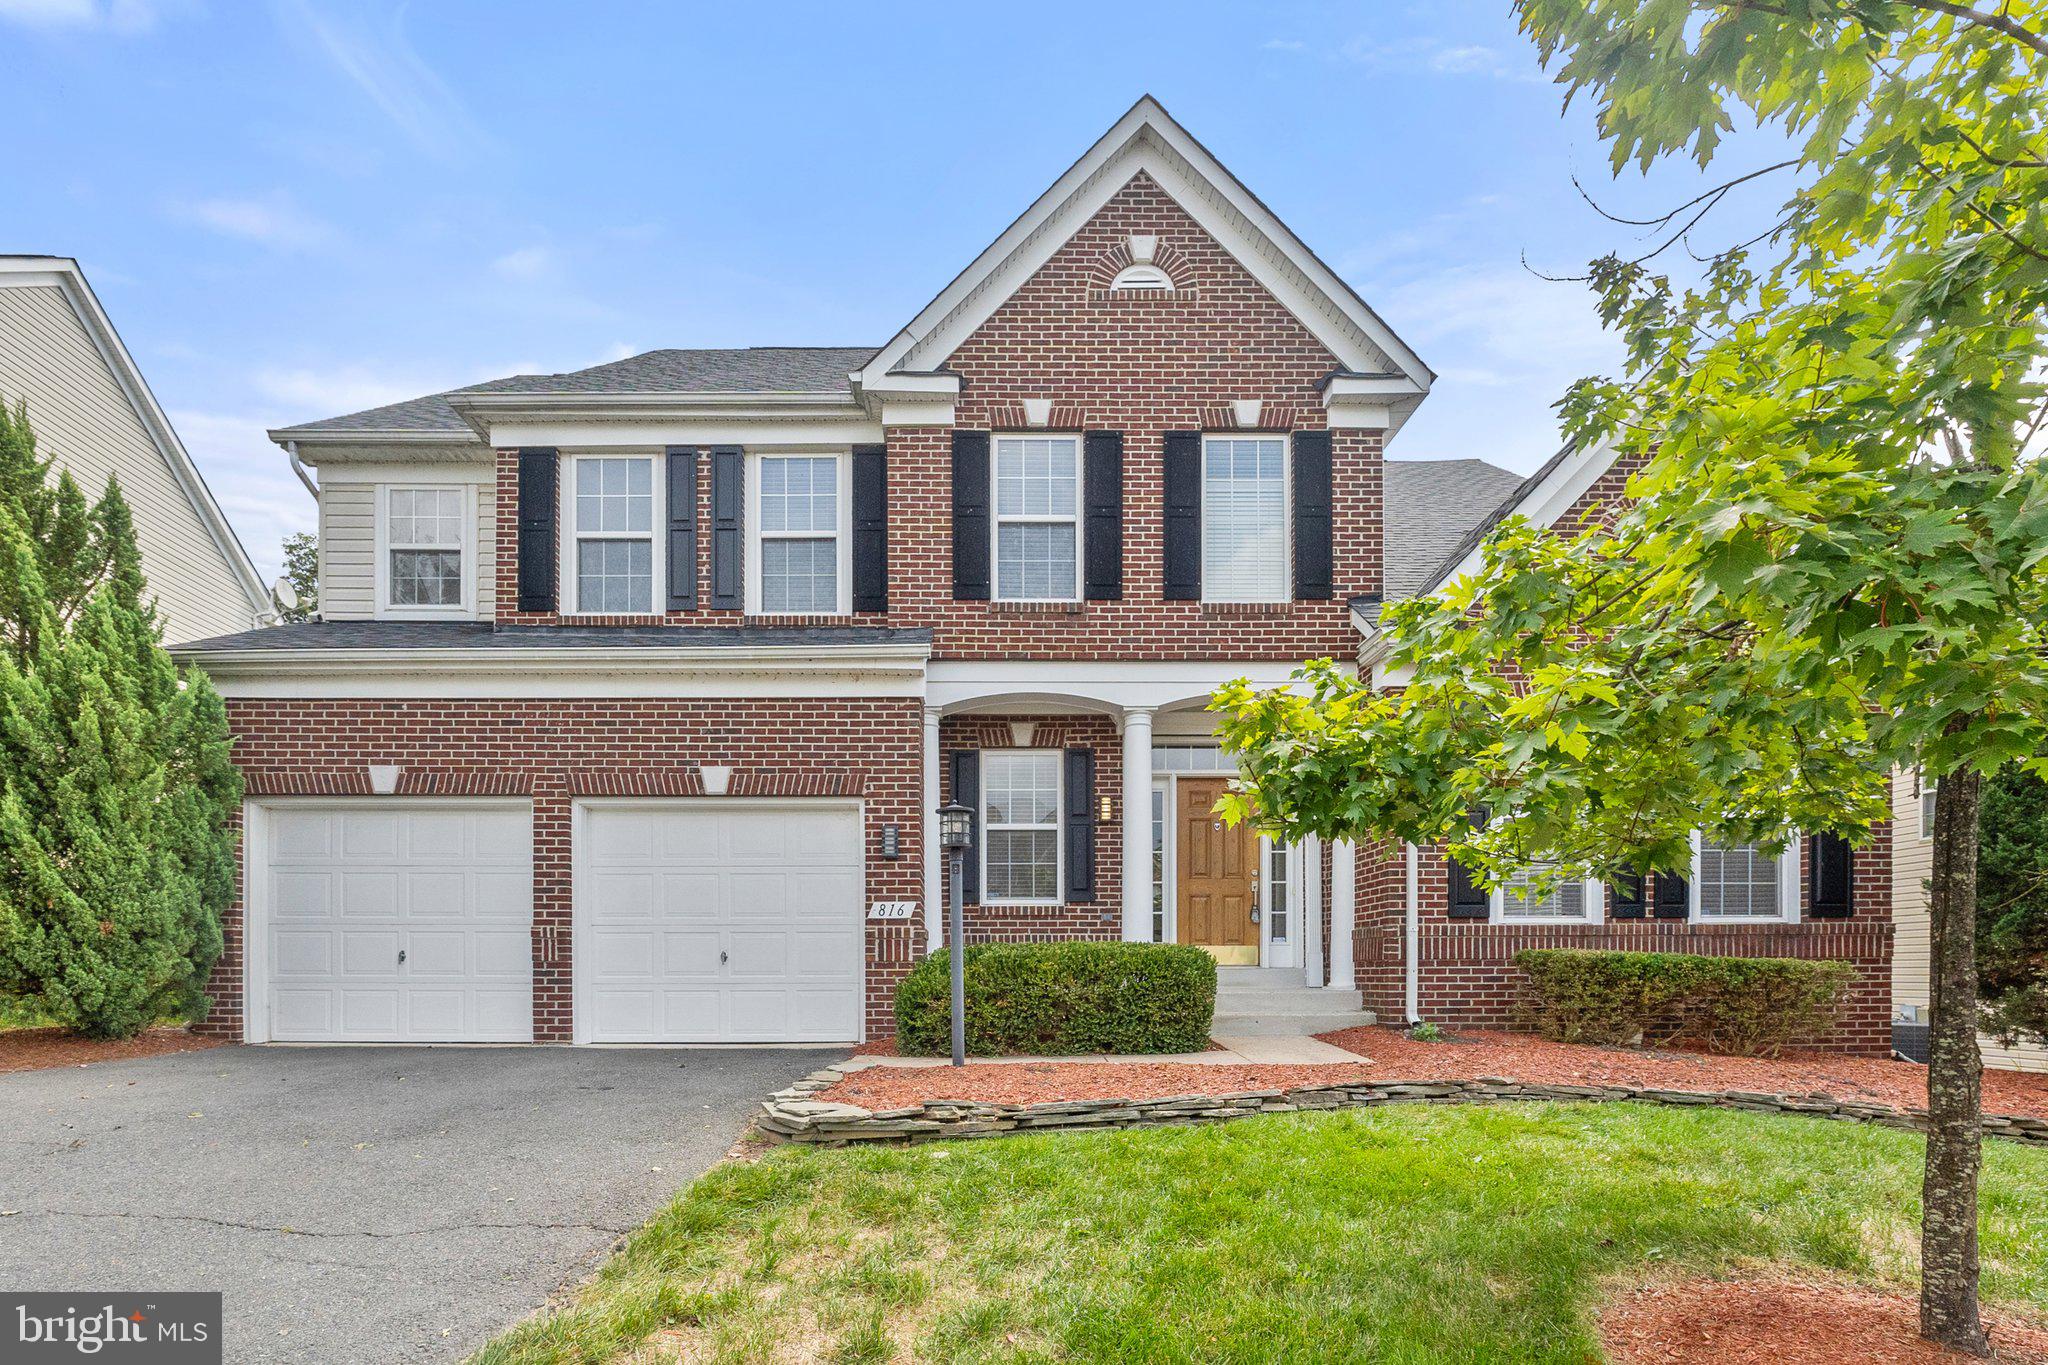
pixel 1244 519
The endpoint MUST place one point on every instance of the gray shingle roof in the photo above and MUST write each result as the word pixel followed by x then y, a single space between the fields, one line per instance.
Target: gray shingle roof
pixel 752 369
pixel 1433 509
pixel 409 635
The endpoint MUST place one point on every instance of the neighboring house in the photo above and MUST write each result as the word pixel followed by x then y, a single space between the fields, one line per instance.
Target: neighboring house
pixel 638 686
pixel 91 410
pixel 1912 957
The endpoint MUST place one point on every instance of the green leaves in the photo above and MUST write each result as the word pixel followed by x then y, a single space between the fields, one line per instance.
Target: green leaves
pixel 1832 561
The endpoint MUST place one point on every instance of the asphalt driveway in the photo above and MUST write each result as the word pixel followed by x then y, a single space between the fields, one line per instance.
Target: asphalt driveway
pixel 360 1204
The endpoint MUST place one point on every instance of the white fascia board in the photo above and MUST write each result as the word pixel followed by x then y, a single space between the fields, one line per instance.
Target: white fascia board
pixel 318 446
pixel 835 433
pixel 63 273
pixel 1147 138
pixel 481 473
pixel 680 671
pixel 1550 499
pixel 903 413
pixel 967 685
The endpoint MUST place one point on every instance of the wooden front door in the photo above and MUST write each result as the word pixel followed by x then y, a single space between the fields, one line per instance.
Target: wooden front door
pixel 1216 865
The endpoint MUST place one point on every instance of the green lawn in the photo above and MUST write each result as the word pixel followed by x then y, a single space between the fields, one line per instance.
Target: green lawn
pixel 1405 1233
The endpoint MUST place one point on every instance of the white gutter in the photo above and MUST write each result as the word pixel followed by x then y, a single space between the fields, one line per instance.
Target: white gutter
pixel 1412 956
pixel 528 661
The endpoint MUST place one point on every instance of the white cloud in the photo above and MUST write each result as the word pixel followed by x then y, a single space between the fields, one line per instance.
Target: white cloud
pixel 273 220
pixel 105 16
pixel 1505 344
pixel 525 264
pixel 251 479
pixel 1284 45
pixel 1431 57
pixel 381 61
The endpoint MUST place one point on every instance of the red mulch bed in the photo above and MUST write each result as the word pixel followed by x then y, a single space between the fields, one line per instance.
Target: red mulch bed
pixel 33 1049
pixel 1524 1057
pixel 1786 1322
pixel 1390 1054
pixel 896 1087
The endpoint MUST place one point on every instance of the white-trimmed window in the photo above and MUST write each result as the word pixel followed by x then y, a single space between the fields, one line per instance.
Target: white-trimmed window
pixel 1020 843
pixel 1037 522
pixel 1279 891
pixel 1569 901
pixel 1926 789
pixel 1244 519
pixel 1158 864
pixel 614 556
pixel 801 514
pixel 1743 882
pixel 424 535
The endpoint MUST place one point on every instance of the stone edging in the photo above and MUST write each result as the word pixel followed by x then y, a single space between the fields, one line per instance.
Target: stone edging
pixel 793 1115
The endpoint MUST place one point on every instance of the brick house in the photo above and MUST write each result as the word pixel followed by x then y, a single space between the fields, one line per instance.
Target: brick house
pixel 637 688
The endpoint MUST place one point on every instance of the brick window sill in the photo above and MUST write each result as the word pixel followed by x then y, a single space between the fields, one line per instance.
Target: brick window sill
pixel 1036 608
pixel 1244 609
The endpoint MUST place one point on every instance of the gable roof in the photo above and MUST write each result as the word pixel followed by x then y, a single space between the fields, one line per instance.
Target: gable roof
pixel 1148 139
pixel 64 274
pixel 1432 508
pixel 1542 498
pixel 751 369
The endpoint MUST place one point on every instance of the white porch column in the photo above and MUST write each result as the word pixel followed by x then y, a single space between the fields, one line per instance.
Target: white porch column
pixel 1343 913
pixel 934 881
pixel 1137 824
pixel 1312 910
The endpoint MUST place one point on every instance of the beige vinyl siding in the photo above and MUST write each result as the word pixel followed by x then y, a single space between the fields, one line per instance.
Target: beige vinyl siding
pixel 1912 863
pixel 348 547
pixel 1912 959
pixel 84 418
pixel 348 536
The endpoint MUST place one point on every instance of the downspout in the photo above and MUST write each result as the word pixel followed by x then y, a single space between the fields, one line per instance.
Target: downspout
pixel 291 448
pixel 1413 954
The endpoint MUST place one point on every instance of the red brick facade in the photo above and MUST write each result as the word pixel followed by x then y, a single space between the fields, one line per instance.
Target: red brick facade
pixel 1139 364
pixel 1173 361
pixel 555 751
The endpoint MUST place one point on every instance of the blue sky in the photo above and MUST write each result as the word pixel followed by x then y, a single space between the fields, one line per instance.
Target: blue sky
pixel 296 209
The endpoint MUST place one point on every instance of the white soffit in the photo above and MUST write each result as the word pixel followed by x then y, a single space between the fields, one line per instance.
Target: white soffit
pixel 1147 139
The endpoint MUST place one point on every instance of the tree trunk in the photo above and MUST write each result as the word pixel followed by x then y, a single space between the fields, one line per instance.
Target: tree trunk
pixel 1955 1074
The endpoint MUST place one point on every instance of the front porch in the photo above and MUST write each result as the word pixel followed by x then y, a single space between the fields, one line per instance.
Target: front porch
pixel 1158 866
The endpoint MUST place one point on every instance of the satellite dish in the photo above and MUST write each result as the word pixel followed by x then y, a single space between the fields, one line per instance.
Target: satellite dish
pixel 284 594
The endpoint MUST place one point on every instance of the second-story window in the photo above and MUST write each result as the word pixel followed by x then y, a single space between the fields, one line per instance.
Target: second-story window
pixel 801 535
pixel 425 534
pixel 1037 518
pixel 612 553
pixel 1244 519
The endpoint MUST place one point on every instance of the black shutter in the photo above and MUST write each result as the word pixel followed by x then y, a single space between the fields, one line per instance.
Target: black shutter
pixel 682 528
pixel 1827 876
pixel 967 792
pixel 1183 516
pixel 1080 826
pixel 1673 896
pixel 1627 893
pixel 1469 900
pixel 1103 502
pixel 539 487
pixel 870 528
pixel 970 516
pixel 728 476
pixel 1314 578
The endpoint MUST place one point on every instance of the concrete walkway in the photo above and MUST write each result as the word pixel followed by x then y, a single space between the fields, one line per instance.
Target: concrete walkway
pixel 1295 1051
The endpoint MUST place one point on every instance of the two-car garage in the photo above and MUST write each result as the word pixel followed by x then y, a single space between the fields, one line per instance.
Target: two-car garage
pixel 692 920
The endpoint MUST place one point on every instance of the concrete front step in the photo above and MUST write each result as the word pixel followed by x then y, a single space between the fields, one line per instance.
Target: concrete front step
pixel 1288 1025
pixel 1262 978
pixel 1300 1000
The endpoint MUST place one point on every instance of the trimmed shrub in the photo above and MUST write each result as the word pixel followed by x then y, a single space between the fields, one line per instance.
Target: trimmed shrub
pixel 1749 1006
pixel 1062 999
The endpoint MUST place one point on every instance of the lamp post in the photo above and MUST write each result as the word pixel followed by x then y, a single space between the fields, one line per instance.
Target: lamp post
pixel 956 832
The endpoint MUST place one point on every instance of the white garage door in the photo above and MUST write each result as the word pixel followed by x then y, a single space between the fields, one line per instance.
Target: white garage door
pixel 719 922
pixel 398 923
